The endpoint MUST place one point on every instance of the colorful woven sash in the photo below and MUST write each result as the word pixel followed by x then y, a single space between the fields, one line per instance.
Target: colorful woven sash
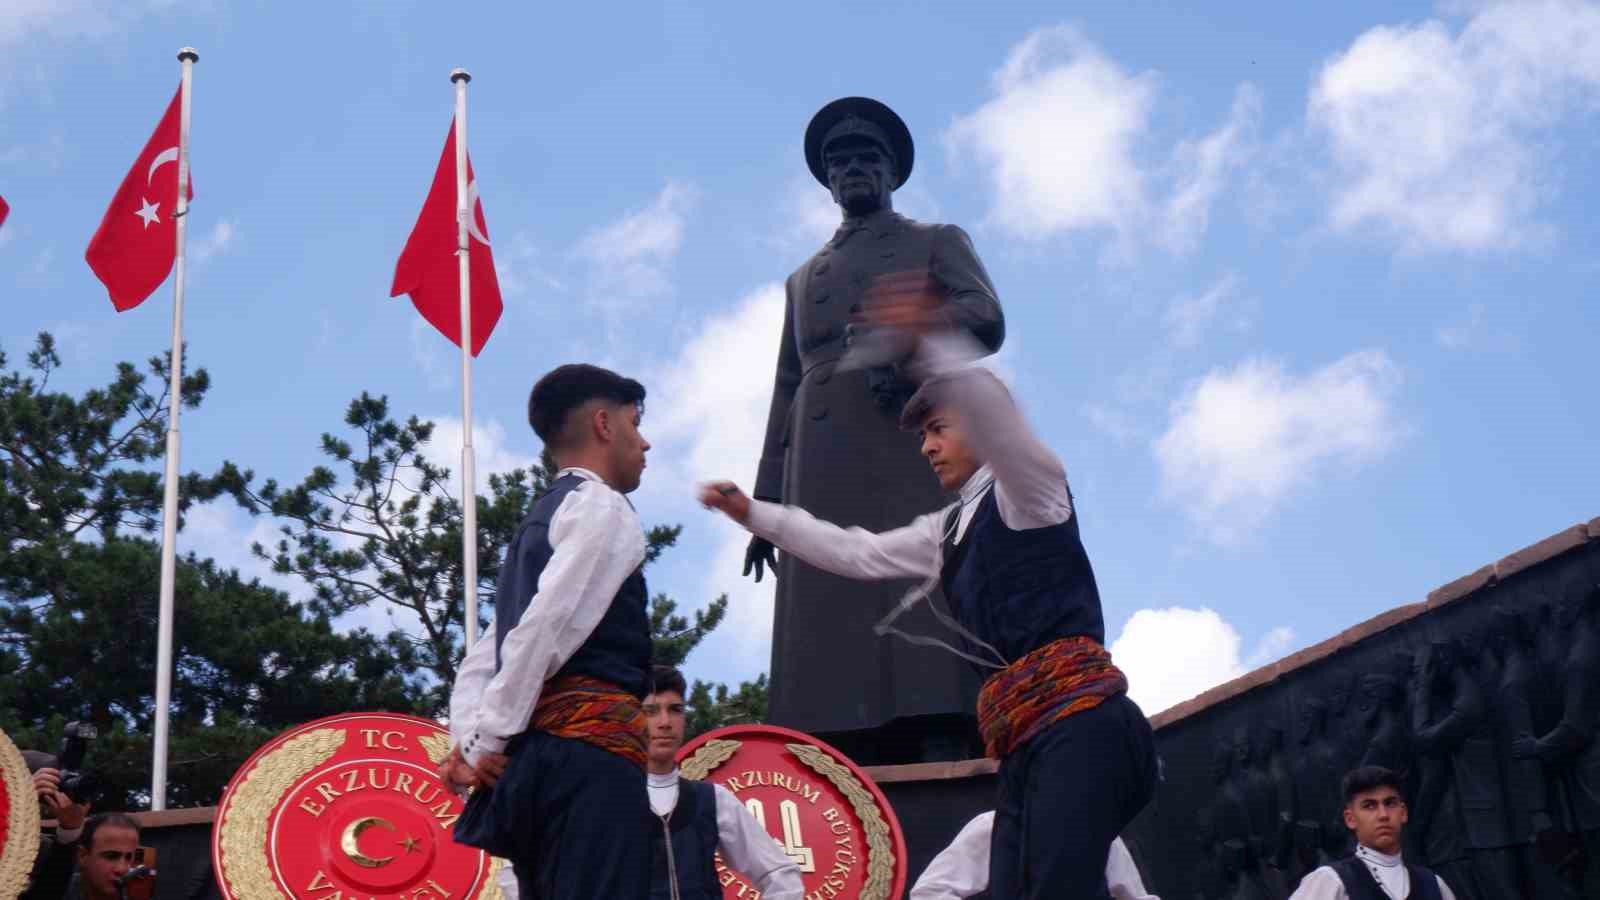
pixel 595 712
pixel 1061 678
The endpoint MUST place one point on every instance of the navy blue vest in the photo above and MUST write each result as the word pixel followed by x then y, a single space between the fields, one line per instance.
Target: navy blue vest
pixel 1020 590
pixel 1360 885
pixel 693 828
pixel 618 650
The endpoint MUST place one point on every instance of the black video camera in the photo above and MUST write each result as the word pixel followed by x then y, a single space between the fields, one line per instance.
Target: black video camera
pixel 79 785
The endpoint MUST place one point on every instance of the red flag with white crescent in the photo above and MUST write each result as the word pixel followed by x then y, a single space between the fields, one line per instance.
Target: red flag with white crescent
pixel 133 250
pixel 4 210
pixel 427 269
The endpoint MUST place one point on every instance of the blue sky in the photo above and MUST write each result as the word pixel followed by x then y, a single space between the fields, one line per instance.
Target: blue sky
pixel 1302 298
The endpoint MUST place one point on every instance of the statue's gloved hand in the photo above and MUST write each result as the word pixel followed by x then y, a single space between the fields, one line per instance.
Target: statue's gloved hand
pixel 758 555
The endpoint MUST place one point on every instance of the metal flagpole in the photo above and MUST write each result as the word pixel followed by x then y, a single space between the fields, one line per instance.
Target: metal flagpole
pixel 469 481
pixel 169 503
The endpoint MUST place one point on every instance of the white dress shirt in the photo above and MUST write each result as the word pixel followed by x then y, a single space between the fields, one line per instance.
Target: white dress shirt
pixel 962 869
pixel 746 847
pixel 1388 871
pixel 597 542
pixel 1029 481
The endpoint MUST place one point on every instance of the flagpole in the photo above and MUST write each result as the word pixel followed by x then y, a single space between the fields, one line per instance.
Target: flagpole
pixel 469 481
pixel 169 503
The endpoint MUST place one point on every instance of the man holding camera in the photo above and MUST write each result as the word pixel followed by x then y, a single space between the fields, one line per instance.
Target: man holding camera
pixel 53 866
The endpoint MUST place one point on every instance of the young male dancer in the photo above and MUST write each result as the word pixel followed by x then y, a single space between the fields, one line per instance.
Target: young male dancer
pixel 1077 756
pixel 546 711
pixel 693 820
pixel 1375 813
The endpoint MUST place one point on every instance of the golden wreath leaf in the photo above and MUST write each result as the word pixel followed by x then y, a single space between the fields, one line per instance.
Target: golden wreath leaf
pixel 710 755
pixel 22 821
pixel 880 850
pixel 437 746
pixel 491 881
pixel 247 811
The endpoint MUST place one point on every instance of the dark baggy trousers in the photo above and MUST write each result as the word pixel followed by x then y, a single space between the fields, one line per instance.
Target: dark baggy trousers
pixel 572 818
pixel 1064 796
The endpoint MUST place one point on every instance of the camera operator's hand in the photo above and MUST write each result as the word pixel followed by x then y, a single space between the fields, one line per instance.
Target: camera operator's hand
pixel 69 816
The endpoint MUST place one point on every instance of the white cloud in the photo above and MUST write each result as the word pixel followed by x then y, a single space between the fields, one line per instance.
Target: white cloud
pixel 494 451
pixel 1114 423
pixel 1202 168
pixel 1057 138
pixel 222 531
pixel 1241 441
pixel 707 419
pixel 518 268
pixel 810 214
pixel 427 353
pixel 1436 132
pixel 1187 317
pixel 714 395
pixel 630 258
pixel 219 240
pixel 1171 655
pixel 55 18
pixel 1060 141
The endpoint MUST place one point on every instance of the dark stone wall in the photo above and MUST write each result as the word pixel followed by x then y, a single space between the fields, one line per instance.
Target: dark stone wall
pixel 183 861
pixel 1486 699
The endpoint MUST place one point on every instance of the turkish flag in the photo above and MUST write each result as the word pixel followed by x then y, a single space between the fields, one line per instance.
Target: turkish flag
pixel 132 251
pixel 428 270
pixel 4 210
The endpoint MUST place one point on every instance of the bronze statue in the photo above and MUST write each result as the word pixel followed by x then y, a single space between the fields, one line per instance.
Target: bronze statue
pixel 834 448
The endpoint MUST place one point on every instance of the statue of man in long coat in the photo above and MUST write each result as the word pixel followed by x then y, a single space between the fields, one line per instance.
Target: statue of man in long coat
pixel 833 447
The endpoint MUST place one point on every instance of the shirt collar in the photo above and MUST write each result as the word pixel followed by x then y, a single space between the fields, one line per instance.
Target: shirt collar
pixel 1376 858
pixel 579 471
pixel 667 780
pixel 976 483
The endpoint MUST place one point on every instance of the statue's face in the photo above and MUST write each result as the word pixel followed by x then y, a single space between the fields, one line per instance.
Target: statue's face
pixel 860 174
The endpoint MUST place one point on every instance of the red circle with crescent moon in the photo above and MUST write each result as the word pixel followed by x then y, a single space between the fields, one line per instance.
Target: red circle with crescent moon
pixel 348 805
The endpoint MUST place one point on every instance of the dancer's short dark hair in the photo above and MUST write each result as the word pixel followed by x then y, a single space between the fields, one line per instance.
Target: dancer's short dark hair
pixel 106 820
pixel 666 678
pixel 565 388
pixel 1369 778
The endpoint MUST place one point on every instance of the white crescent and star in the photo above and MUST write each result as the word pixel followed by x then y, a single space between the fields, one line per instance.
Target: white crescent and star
pixel 150 212
pixel 472 221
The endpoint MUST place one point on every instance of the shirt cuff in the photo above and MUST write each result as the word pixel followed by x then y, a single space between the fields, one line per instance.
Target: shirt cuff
pixel 479 745
pixel 765 519
pixel 68 835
